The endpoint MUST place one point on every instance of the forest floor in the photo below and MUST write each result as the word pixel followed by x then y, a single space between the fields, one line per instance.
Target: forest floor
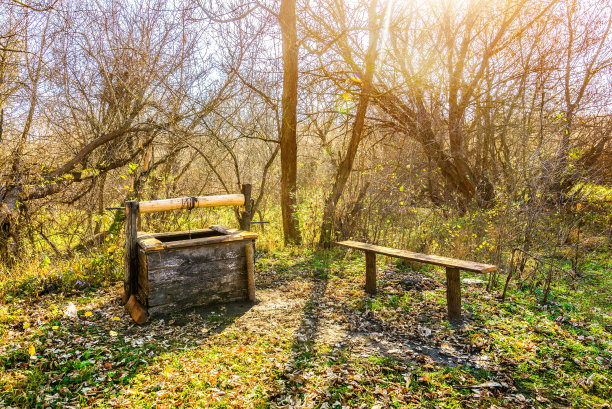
pixel 315 339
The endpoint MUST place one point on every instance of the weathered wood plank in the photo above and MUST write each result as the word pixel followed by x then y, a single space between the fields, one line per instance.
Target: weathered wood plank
pixel 422 258
pixel 191 203
pixel 370 286
pixel 143 297
pixel 143 278
pixel 200 286
pixel 156 241
pixel 210 270
pixel 163 309
pixel 197 290
pixel 174 258
pixel 149 242
pixel 210 240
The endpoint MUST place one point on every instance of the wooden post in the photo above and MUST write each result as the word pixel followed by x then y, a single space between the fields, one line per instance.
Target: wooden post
pixel 250 260
pixel 453 294
pixel 246 215
pixel 130 281
pixel 370 272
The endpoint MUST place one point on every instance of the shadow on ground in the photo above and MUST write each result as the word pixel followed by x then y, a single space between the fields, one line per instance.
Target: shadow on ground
pixel 400 329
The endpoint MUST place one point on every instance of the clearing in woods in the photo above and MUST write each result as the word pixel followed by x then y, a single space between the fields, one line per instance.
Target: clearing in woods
pixel 314 339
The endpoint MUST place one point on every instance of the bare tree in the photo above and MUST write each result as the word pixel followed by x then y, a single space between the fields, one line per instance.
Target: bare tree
pixel 117 90
pixel 366 77
pixel 288 136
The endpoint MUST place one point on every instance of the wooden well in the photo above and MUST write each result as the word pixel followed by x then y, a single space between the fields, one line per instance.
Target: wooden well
pixel 166 272
pixel 182 270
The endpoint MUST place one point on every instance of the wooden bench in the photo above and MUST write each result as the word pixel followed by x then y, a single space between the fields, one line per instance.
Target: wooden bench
pixel 453 266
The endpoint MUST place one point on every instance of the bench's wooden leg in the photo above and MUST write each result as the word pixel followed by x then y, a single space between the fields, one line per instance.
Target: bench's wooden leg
pixel 453 294
pixel 370 272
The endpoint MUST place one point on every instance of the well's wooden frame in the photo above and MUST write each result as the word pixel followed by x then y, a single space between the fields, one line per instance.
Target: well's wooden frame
pixel 133 209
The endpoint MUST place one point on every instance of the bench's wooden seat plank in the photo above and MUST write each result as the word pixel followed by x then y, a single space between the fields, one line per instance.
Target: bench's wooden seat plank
pixel 453 267
pixel 423 258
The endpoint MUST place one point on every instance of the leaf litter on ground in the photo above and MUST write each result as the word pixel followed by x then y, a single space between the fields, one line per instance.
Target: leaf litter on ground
pixel 311 341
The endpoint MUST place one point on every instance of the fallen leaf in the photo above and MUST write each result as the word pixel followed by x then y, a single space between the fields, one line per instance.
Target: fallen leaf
pixel 32 350
pixel 71 311
pixel 26 325
pixel 489 384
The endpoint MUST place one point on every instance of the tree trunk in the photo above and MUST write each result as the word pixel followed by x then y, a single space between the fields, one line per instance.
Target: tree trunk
pixel 346 166
pixel 1 123
pixel 101 184
pixel 422 130
pixel 288 136
pixel 8 214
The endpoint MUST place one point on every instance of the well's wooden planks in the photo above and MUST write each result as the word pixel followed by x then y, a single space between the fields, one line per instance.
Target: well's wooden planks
pixel 173 258
pixel 177 272
pixel 211 270
pixel 191 203
pixel 422 258
pixel 198 290
pixel 143 279
pixel 209 240
pixel 147 241
pixel 163 309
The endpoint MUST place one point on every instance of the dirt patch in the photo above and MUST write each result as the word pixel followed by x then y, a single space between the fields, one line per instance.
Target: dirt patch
pixel 418 282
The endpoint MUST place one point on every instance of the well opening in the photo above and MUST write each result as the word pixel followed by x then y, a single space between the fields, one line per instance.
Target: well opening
pixel 196 234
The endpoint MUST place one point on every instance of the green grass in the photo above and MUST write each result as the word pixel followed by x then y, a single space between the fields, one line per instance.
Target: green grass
pixel 315 340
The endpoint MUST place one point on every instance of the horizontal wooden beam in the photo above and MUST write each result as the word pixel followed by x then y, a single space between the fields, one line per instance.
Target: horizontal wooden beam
pixel 422 258
pixel 192 202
